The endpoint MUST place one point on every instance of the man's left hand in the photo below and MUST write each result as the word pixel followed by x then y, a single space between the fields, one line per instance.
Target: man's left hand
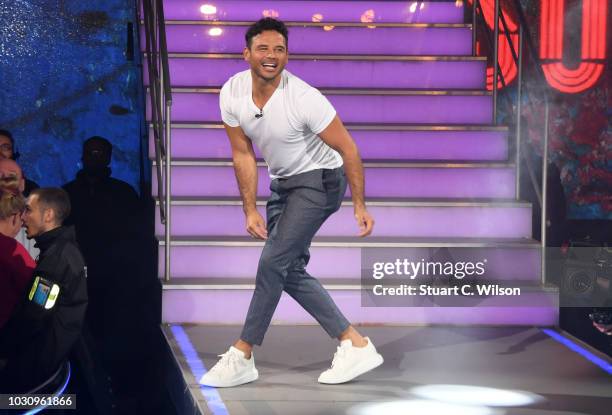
pixel 364 221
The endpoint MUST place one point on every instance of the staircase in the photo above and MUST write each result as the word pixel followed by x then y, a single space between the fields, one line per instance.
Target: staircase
pixel 403 79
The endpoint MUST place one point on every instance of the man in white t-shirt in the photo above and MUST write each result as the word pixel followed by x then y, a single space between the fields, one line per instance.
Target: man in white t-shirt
pixel 308 152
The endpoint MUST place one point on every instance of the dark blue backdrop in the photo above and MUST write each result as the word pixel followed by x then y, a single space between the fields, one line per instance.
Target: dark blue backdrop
pixel 66 74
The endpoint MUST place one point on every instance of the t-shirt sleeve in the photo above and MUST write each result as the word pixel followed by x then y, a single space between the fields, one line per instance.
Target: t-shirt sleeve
pixel 318 112
pixel 225 103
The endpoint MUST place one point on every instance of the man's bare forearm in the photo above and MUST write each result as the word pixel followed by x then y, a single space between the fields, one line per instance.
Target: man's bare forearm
pixel 245 168
pixel 353 169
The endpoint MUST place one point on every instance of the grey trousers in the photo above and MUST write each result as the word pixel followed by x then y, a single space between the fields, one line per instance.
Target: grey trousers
pixel 297 208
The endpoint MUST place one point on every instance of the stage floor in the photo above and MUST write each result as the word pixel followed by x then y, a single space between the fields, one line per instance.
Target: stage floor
pixel 531 371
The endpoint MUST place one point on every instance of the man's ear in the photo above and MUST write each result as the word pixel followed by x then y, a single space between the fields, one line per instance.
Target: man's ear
pixel 16 219
pixel 246 53
pixel 49 216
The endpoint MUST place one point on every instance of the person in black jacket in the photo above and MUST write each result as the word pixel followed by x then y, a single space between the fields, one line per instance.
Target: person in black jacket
pixel 41 333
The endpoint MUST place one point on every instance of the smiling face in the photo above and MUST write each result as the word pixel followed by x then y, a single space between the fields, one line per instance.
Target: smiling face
pixel 267 55
pixel 36 218
pixel 6 147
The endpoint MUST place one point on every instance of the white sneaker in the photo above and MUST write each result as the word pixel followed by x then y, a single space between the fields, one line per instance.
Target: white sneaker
pixel 232 369
pixel 350 362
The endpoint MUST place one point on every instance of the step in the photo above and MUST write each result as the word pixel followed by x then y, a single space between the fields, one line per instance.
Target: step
pixel 387 179
pixel 306 11
pixel 203 303
pixel 316 38
pixel 360 105
pixel 482 143
pixel 407 218
pixel 198 257
pixel 340 71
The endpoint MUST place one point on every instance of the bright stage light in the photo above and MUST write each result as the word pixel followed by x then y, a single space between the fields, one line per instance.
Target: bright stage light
pixel 317 17
pixel 208 9
pixel 414 5
pixel 418 407
pixel 475 395
pixel 215 31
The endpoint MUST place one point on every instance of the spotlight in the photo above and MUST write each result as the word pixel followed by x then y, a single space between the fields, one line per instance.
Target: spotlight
pixel 475 395
pixel 208 9
pixel 418 407
pixel 215 31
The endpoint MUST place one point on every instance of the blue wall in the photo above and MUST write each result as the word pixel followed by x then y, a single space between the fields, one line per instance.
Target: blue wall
pixel 66 76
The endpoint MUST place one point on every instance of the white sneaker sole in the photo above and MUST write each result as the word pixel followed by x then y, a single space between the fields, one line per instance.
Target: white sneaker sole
pixel 246 378
pixel 363 367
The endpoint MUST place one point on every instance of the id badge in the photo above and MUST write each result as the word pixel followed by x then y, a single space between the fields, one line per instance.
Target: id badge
pixel 44 293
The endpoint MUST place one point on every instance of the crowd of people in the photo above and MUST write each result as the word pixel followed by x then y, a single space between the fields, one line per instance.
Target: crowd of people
pixel 64 253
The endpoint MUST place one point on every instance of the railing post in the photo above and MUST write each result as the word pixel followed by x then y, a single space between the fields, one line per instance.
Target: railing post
pixel 474 7
pixel 517 156
pixel 495 58
pixel 544 217
pixel 168 192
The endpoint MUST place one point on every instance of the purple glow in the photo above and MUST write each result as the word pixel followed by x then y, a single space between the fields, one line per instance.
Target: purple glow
pixel 206 306
pixel 339 41
pixel 303 11
pixel 375 145
pixel 341 74
pixel 427 221
pixel 386 109
pixel 503 264
pixel 417 182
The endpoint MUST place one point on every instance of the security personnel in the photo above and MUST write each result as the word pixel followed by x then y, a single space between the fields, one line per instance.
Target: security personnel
pixel 48 322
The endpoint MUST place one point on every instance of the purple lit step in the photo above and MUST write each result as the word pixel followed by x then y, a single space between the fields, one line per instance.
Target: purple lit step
pixel 304 11
pixel 413 182
pixel 320 40
pixel 230 307
pixel 419 74
pixel 212 261
pixel 421 108
pixel 395 145
pixel 438 220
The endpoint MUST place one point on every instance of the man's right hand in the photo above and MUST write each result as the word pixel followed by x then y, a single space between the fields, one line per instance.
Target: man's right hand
pixel 256 225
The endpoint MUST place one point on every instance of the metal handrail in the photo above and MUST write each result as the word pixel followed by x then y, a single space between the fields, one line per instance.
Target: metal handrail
pixel 160 94
pixel 517 56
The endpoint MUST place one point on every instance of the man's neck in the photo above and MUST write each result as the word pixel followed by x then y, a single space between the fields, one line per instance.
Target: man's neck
pixel 263 89
pixel 5 228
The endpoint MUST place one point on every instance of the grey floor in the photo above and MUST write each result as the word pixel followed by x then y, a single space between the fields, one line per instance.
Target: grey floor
pixel 557 380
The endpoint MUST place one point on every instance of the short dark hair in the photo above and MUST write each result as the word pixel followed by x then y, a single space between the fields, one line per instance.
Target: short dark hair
pixel 266 23
pixel 8 134
pixel 107 144
pixel 54 198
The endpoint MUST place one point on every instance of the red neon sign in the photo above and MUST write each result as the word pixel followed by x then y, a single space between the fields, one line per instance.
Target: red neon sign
pixel 594 28
pixel 594 21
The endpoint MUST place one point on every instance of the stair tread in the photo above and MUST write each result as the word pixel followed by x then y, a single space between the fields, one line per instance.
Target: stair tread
pixel 335 56
pixel 368 126
pixel 369 163
pixel 360 91
pixel 295 23
pixel 370 241
pixel 330 283
pixel 378 201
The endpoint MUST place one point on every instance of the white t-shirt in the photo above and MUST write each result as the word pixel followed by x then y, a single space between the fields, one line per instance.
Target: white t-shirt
pixel 286 134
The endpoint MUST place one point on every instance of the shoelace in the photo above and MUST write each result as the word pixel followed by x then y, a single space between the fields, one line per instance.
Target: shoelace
pixel 227 359
pixel 340 353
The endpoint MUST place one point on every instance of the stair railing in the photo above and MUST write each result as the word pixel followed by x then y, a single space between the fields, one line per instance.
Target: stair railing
pixel 160 94
pixel 524 38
